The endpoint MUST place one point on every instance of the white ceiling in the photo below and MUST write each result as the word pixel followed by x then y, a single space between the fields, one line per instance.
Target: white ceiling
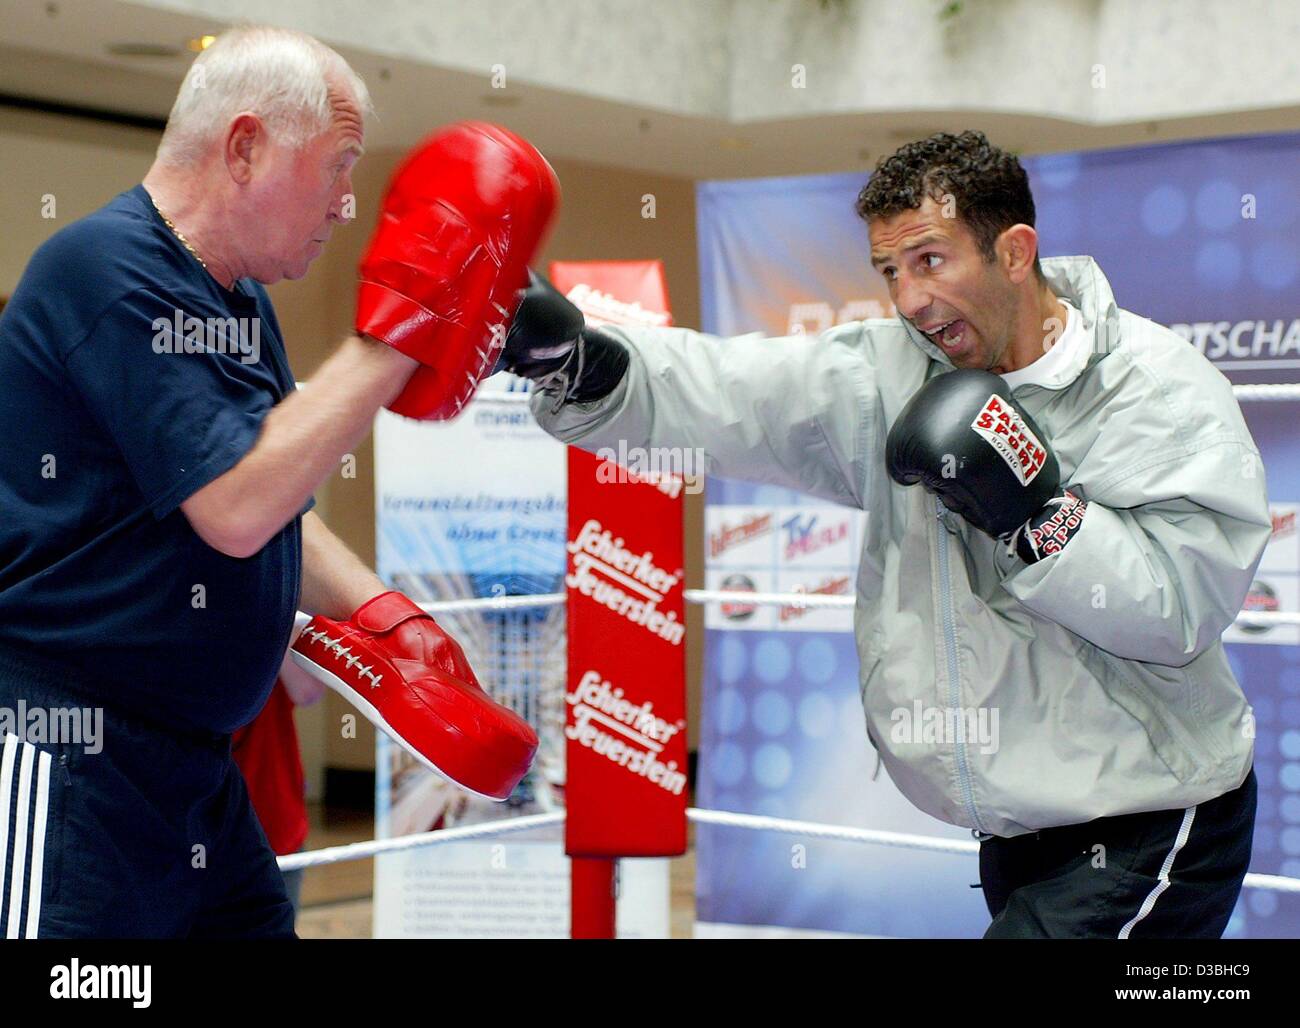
pixel 57 51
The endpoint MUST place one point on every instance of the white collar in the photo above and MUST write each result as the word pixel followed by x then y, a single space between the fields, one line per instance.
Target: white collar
pixel 1060 365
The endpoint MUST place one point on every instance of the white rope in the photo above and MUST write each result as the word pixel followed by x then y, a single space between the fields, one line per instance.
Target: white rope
pixel 808 600
pixel 758 822
pixel 494 603
pixel 798 601
pixel 1267 391
pixel 1256 391
pixel 725 818
pixel 1265 618
pixel 1272 883
pixel 1260 391
pixel 842 833
pixel 362 850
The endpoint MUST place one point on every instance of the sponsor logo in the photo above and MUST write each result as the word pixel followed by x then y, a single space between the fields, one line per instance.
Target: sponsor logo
pixel 626 733
pixel 837 586
pixel 1263 598
pixel 1050 535
pixel 805 536
pixel 1005 430
pixel 626 581
pixel 728 536
pixel 1283 524
pixel 811 317
pixel 490 418
pixel 737 611
pixel 1242 340
pixel 601 308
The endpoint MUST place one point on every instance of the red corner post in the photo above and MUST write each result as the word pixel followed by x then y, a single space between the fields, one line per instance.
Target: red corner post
pixel 625 723
pixel 594 895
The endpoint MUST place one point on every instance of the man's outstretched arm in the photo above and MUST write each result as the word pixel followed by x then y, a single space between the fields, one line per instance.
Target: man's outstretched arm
pixel 796 411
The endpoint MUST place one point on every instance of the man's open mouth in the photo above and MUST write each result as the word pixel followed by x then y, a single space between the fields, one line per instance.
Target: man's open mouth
pixel 949 334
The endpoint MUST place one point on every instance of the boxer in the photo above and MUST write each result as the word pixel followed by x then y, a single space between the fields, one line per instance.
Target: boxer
pixel 1066 511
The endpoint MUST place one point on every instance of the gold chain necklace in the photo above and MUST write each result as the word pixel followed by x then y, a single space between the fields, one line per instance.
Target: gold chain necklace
pixel 178 234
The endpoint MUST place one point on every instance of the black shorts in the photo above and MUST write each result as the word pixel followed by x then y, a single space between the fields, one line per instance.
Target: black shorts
pixel 153 836
pixel 1168 874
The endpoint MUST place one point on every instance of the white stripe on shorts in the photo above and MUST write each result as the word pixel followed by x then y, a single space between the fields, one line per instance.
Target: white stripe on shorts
pixel 6 787
pixel 28 804
pixel 1184 831
pixel 36 878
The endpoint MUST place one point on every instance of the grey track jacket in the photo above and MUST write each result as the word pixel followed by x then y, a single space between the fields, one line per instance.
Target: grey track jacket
pixel 1104 662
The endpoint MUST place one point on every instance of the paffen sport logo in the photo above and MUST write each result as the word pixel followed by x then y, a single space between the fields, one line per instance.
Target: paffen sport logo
pixel 1005 430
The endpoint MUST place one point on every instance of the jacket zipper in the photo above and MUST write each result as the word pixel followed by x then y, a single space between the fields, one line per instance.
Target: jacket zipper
pixel 950 652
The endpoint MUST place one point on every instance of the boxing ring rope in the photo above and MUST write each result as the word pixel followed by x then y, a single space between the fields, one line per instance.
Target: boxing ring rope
pixel 374 847
pixel 722 818
pixel 796 599
pixel 1268 391
pixel 494 603
pixel 1261 391
pixel 808 600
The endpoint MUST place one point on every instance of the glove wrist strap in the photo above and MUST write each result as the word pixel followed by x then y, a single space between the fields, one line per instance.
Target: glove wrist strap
pixel 593 370
pixel 385 612
pixel 1048 531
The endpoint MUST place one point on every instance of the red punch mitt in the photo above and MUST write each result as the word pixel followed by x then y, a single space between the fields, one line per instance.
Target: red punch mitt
pixel 393 663
pixel 463 216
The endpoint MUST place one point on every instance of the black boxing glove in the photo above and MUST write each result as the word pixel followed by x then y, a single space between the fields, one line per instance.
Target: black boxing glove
pixel 550 343
pixel 965 439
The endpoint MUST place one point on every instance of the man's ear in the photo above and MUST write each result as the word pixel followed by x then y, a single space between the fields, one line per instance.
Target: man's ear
pixel 1017 247
pixel 244 133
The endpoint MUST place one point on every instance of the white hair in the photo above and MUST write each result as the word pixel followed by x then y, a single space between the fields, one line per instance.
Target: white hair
pixel 282 76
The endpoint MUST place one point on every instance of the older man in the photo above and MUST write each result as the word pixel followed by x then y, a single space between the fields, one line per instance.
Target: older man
pixel 156 481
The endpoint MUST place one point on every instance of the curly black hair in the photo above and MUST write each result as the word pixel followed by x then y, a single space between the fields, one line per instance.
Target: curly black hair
pixel 988 185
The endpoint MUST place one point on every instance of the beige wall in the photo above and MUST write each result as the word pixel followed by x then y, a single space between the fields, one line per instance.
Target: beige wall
pixel 84 163
pixel 80 163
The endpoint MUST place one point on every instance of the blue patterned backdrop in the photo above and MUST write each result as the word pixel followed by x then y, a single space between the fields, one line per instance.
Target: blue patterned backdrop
pixel 1202 236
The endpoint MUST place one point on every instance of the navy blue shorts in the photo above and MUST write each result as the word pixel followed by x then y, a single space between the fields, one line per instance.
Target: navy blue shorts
pixel 1168 874
pixel 129 830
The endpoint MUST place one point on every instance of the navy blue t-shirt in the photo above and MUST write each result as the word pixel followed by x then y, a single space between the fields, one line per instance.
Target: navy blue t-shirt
pixel 108 425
